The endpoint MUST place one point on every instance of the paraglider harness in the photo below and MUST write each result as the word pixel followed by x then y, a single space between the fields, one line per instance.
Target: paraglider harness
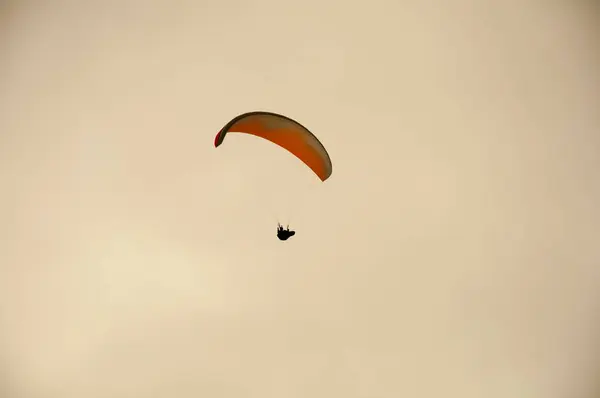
pixel 284 234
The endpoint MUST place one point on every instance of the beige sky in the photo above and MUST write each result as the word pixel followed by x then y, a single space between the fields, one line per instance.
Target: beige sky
pixel 454 252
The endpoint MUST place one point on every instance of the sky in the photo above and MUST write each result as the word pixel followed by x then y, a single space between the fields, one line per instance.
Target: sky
pixel 453 252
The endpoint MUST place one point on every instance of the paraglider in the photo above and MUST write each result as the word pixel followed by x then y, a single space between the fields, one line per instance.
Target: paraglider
pixel 286 133
pixel 284 234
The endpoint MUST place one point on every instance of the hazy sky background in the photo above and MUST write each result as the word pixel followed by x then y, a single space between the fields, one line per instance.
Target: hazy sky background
pixel 454 252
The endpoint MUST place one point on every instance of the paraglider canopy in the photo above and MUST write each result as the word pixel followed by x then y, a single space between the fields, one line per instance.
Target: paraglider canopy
pixel 285 132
